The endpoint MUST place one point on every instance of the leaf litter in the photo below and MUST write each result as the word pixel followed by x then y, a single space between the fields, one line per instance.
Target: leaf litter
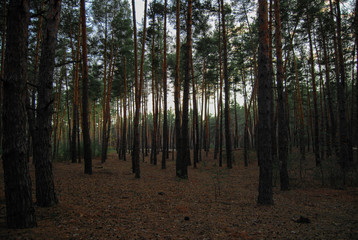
pixel 214 203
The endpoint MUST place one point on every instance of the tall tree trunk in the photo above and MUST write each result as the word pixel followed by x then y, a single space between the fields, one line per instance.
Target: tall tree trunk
pixel 185 160
pixel 85 127
pixel 104 100
pixel 220 115
pixel 273 112
pixel 45 189
pixel 134 155
pixel 246 128
pixel 356 39
pixel 195 115
pixel 180 170
pixel 316 142
pixel 265 119
pixel 345 154
pixel 227 92
pixel 138 91
pixel 165 117
pixel 282 120
pixel 75 119
pixel 20 212
pixel 153 155
pixel 2 70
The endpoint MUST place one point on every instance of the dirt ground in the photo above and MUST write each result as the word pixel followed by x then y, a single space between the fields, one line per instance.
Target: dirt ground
pixel 214 203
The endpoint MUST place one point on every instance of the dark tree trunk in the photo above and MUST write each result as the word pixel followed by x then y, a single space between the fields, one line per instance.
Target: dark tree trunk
pixel 124 126
pixel 301 130
pixel 153 154
pixel 85 128
pixel 20 212
pixel 273 112
pixel 227 92
pixel 195 115
pixel 246 128
pixel 135 159
pixel 180 166
pixel 316 138
pixel 356 82
pixel 31 97
pixel 264 147
pixel 282 114
pixel 182 172
pixel 138 93
pixel 165 117
pixel 75 120
pixel 45 189
pixel 104 101
pixel 345 154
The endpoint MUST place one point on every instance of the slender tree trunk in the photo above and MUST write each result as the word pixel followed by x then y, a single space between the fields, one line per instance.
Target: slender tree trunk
pixel 138 91
pixel 185 161
pixel 104 100
pixel 75 119
pixel 195 115
pixel 236 138
pixel 316 142
pixel 246 128
pixel 220 115
pixel 153 155
pixel 85 127
pixel 124 126
pixel 227 92
pixel 20 212
pixel 180 170
pixel 165 120
pixel 274 113
pixel 282 121
pixel 264 101
pixel 68 111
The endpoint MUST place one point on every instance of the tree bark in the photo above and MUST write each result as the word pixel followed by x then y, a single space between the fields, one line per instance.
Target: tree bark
pixel 45 190
pixel 104 100
pixel 124 126
pixel 138 91
pixel 264 100
pixel 85 127
pixel 165 117
pixel 20 212
pixel 75 119
pixel 316 142
pixel 185 156
pixel 227 92
pixel 345 154
pixel 282 116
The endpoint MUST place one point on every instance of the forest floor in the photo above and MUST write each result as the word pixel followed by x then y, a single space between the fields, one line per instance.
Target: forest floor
pixel 214 203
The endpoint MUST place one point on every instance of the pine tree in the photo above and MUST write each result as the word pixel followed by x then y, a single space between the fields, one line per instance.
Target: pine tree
pixel 20 212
